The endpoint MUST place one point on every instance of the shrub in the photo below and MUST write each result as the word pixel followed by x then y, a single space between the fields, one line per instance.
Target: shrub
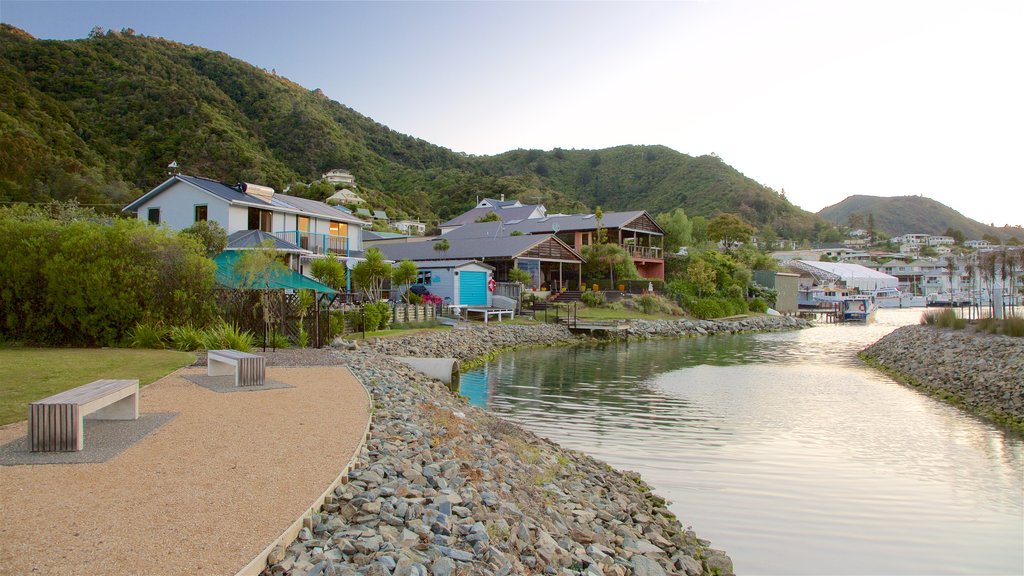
pixel 383 313
pixel 278 340
pixel 707 308
pixel 655 304
pixel 336 324
pixel 186 338
pixel 758 305
pixel 945 318
pixel 147 335
pixel 302 339
pixel 228 336
pixel 593 299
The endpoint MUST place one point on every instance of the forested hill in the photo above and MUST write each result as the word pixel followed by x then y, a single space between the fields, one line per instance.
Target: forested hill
pixel 913 215
pixel 99 119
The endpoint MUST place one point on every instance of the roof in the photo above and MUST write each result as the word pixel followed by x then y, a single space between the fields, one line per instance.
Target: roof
pixel 451 264
pixel 287 279
pixel 506 214
pixel 371 235
pixel 854 275
pixel 500 203
pixel 548 225
pixel 467 249
pixel 380 214
pixel 234 195
pixel 249 239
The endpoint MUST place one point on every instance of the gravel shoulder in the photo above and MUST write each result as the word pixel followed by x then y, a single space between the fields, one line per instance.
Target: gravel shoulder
pixel 203 494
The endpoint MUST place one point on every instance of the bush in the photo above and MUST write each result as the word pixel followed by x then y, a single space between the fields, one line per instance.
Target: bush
pixel 147 335
pixel 758 305
pixel 707 308
pixel 278 340
pixel 944 319
pixel 228 336
pixel 593 299
pixel 186 338
pixel 91 282
pixel 1008 327
pixel 655 304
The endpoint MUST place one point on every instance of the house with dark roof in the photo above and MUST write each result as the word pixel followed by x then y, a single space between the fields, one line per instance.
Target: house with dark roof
pixel 506 210
pixel 550 261
pixel 635 231
pixel 314 227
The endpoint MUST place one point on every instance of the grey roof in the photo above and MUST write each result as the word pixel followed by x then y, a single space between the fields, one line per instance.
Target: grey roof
pixel 469 249
pixel 450 263
pixel 248 239
pixel 547 225
pixel 233 195
pixel 499 203
pixel 370 235
pixel 506 214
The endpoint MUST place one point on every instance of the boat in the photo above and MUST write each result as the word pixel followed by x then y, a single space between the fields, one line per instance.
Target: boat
pixel 858 309
pixel 947 299
pixel 887 297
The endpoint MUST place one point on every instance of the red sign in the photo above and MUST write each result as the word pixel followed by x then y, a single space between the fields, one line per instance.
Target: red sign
pixel 491 284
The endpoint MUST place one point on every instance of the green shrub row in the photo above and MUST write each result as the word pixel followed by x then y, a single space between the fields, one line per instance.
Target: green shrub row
pixel 187 338
pixel 945 318
pixel 716 307
pixel 1008 326
pixel 91 281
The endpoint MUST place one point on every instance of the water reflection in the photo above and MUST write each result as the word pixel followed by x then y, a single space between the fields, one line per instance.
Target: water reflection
pixel 783 448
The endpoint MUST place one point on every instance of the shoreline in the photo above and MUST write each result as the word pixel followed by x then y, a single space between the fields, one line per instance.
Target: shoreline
pixel 445 488
pixel 979 373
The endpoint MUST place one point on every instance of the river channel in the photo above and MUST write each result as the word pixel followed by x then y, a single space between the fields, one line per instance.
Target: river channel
pixel 783 449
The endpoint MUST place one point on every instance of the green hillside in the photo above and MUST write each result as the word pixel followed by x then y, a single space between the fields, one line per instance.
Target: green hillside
pixel 913 215
pixel 99 119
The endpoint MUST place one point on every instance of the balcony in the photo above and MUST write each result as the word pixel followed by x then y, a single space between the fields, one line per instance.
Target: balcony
pixel 316 243
pixel 645 252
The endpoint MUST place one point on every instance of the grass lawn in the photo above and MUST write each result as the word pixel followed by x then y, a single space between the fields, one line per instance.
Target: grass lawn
pixel 28 374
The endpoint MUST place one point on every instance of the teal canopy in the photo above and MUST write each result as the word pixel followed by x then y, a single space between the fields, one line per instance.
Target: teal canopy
pixel 287 279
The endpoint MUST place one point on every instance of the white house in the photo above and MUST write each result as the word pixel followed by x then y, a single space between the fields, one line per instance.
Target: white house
pixel 180 201
pixel 410 227
pixel 941 241
pixel 976 244
pixel 339 176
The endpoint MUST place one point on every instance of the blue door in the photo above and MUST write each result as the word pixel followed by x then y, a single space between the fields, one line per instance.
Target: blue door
pixel 473 288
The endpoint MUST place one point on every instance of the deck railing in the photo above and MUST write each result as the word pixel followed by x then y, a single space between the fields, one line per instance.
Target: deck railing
pixel 643 251
pixel 316 243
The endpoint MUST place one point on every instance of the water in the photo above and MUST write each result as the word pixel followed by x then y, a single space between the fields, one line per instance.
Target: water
pixel 783 449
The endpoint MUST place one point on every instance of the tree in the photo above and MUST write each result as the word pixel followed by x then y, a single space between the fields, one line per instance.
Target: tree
pixel 404 273
pixel 610 258
pixel 489 217
pixel 855 221
pixel 956 235
pixel 257 267
pixel 991 239
pixel 371 274
pixel 702 275
pixel 677 229
pixel 210 234
pixel 871 227
pixel 729 229
pixel 699 229
pixel 330 271
pixel 520 276
pixel 768 238
pixel 601 235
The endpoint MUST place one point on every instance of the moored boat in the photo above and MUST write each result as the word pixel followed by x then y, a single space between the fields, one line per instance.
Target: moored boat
pixel 858 309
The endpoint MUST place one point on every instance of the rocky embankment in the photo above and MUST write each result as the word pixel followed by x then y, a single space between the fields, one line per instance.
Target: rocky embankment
pixel 984 373
pixel 443 488
pixel 670 328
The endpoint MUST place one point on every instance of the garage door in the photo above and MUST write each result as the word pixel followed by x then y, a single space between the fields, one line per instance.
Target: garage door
pixel 473 288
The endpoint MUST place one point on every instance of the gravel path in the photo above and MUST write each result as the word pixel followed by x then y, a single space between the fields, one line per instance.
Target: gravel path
pixel 203 494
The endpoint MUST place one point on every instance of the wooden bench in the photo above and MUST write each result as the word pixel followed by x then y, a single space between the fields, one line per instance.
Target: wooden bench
pixel 56 424
pixel 248 369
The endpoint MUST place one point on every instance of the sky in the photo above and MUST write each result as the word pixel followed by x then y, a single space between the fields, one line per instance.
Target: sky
pixel 821 99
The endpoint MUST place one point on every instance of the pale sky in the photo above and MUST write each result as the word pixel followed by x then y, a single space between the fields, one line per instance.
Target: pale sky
pixel 822 99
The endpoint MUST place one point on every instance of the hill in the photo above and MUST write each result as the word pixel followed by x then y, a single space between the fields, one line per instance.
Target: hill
pixel 99 119
pixel 913 215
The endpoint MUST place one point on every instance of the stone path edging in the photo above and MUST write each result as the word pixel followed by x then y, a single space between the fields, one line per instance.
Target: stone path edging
pixel 260 562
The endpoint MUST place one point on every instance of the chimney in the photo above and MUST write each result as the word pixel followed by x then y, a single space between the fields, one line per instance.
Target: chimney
pixel 264 193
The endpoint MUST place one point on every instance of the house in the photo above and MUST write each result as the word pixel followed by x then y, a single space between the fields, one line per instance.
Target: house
pixel 549 260
pixel 976 244
pixel 461 282
pixel 339 176
pixel 313 226
pixel 635 231
pixel 410 227
pixel 345 196
pixel 506 210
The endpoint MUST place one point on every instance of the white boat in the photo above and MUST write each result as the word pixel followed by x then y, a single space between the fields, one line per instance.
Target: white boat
pixel 858 309
pixel 887 297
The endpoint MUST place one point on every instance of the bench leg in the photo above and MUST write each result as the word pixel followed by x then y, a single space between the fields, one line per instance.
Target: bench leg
pixel 55 428
pixel 218 368
pixel 126 408
pixel 251 371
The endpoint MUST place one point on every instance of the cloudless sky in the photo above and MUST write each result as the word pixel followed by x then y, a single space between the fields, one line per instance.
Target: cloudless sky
pixel 823 99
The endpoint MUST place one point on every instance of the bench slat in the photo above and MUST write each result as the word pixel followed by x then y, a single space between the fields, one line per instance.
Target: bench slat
pixel 87 392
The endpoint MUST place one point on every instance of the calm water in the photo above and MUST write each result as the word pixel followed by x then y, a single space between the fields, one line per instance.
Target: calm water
pixel 783 449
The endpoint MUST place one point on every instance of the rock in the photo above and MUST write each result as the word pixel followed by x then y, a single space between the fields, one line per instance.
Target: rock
pixel 644 566
pixel 442 567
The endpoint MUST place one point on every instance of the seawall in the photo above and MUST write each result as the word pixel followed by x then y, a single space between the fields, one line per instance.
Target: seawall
pixel 983 373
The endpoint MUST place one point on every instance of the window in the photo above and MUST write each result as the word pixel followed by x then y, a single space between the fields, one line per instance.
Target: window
pixel 261 220
pixel 200 212
pixel 339 229
pixel 154 215
pixel 423 277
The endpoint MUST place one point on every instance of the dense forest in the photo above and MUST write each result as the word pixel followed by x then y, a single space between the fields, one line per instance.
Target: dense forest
pixel 99 119
pixel 913 215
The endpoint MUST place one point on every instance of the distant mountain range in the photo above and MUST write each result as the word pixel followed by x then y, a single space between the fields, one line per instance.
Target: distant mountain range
pixel 99 119
pixel 913 215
